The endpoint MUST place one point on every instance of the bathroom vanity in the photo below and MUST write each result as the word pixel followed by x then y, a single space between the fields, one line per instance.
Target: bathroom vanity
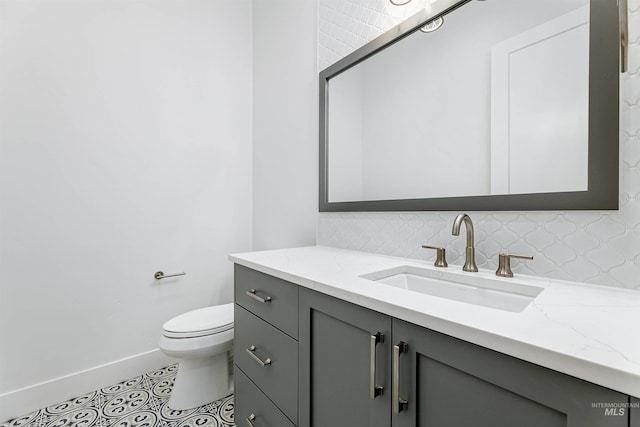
pixel 328 337
pixel 321 341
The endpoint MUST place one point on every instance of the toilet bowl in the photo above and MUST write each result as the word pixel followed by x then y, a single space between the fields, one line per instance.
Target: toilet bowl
pixel 202 339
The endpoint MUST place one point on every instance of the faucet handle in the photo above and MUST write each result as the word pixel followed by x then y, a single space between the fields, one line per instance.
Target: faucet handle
pixel 504 264
pixel 441 257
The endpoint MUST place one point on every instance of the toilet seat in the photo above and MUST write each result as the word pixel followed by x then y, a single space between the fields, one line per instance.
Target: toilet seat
pixel 200 322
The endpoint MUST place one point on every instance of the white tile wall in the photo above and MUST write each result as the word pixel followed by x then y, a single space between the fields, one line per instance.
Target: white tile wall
pixel 590 246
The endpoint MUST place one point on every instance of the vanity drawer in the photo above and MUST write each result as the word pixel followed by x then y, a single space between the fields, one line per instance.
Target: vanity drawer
pixel 256 343
pixel 272 299
pixel 249 400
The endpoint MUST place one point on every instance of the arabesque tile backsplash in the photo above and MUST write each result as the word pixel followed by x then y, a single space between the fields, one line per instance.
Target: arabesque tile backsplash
pixel 601 247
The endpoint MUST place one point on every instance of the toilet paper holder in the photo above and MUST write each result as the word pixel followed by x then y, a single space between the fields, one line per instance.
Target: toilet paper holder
pixel 158 275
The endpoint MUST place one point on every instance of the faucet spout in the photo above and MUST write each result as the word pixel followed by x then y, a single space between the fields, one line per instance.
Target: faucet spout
pixel 470 251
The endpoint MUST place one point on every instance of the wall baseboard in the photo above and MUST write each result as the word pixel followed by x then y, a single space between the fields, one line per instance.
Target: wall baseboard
pixel 28 399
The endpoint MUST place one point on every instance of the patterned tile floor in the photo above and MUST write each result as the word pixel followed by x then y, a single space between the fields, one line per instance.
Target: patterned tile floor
pixel 138 402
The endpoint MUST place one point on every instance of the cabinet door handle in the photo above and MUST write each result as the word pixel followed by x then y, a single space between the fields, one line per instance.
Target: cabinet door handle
pixel 376 390
pixel 250 418
pixel 252 294
pixel 250 352
pixel 624 35
pixel 399 404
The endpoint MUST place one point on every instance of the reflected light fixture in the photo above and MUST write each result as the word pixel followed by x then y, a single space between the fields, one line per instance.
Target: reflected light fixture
pixel 432 25
pixel 429 26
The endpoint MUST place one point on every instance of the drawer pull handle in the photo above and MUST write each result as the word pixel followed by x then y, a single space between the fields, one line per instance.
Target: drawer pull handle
pixel 250 352
pixel 251 418
pixel 399 404
pixel 375 390
pixel 252 294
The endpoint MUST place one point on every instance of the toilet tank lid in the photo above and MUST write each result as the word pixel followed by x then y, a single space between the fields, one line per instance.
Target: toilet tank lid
pixel 203 319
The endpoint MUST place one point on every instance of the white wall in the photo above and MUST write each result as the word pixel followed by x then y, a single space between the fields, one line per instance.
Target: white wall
pixel 285 127
pixel 415 146
pixel 125 148
pixel 594 247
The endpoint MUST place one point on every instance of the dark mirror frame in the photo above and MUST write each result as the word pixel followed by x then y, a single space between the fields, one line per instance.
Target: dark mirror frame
pixel 602 193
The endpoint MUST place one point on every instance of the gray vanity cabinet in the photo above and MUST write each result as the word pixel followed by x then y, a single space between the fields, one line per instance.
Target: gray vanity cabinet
pixel 330 363
pixel 441 381
pixel 337 354
pixel 448 382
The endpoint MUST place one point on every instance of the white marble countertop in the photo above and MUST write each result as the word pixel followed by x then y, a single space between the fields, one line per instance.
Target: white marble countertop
pixel 588 331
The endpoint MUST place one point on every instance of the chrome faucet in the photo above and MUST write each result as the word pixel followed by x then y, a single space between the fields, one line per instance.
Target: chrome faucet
pixel 470 251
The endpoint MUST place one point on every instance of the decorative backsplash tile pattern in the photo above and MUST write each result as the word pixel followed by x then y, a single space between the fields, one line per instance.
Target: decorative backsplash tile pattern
pixel 598 247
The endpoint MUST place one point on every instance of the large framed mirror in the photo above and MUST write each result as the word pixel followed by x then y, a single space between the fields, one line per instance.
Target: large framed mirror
pixel 477 105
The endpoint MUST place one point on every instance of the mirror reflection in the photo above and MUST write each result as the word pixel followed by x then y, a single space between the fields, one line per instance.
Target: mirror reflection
pixel 495 101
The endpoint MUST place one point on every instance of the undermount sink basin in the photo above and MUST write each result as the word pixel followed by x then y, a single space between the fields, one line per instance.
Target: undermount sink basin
pixel 498 293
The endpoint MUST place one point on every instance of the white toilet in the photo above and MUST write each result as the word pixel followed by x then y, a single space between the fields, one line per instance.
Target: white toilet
pixel 202 339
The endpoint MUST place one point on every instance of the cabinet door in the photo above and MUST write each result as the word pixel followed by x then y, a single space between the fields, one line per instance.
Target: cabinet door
pixel 450 383
pixel 338 349
pixel 634 412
